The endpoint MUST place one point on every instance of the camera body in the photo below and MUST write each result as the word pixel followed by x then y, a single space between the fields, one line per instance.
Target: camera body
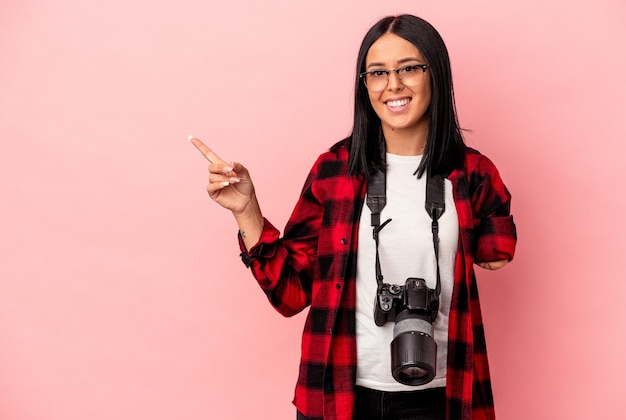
pixel 413 307
pixel 414 297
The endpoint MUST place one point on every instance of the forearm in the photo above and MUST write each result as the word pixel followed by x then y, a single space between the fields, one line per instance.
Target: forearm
pixel 250 223
pixel 493 265
pixel 282 268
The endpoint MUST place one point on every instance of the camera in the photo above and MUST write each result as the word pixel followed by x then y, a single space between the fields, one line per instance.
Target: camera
pixel 414 308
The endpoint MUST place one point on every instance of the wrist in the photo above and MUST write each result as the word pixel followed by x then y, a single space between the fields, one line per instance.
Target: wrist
pixel 250 222
pixel 251 211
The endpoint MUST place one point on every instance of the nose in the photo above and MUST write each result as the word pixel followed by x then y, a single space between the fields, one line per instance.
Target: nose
pixel 393 81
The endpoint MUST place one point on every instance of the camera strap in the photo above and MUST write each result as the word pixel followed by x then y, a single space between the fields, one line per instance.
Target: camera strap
pixel 435 207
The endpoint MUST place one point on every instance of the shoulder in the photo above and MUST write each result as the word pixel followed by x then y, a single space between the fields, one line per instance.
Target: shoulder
pixel 477 163
pixel 329 178
pixel 332 163
pixel 480 175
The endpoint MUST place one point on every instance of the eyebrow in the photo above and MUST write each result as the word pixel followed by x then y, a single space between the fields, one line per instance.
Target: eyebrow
pixel 401 61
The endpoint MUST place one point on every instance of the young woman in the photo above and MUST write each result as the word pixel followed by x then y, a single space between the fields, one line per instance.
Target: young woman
pixel 405 126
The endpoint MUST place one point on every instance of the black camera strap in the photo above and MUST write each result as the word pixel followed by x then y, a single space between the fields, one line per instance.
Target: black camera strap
pixel 435 206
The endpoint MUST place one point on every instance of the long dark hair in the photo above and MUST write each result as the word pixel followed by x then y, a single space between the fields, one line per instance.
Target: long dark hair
pixel 445 149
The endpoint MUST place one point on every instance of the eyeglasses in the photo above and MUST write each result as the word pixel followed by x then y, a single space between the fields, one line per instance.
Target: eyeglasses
pixel 411 76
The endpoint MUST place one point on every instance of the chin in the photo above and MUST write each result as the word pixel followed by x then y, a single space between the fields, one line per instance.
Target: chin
pixel 397 127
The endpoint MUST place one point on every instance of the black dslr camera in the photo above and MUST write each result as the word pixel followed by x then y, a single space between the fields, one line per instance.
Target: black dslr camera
pixel 414 308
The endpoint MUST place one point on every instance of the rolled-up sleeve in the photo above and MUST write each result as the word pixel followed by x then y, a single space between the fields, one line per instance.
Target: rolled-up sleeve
pixel 496 239
pixel 494 228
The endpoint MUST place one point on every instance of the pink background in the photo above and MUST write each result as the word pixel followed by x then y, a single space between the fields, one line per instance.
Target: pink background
pixel 121 291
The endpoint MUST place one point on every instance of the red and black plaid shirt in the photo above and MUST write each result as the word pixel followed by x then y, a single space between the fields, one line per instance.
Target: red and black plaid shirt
pixel 314 264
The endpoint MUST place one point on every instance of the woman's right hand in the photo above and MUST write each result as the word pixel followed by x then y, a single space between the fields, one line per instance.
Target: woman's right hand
pixel 231 187
pixel 229 182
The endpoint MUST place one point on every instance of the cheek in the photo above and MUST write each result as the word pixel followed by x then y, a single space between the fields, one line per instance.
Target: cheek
pixel 424 98
pixel 427 95
pixel 375 102
pixel 427 100
pixel 372 98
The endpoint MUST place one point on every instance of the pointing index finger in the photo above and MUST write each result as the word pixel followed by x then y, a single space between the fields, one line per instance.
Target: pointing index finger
pixel 204 149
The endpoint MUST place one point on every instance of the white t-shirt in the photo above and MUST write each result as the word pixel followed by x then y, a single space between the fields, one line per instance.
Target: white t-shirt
pixel 406 250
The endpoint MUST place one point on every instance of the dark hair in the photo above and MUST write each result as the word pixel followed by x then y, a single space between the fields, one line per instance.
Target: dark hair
pixel 444 150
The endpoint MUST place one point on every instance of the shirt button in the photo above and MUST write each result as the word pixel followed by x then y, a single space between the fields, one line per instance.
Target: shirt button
pixel 344 241
pixel 337 286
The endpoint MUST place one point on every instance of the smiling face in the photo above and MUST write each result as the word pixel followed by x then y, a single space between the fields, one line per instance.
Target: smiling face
pixel 403 110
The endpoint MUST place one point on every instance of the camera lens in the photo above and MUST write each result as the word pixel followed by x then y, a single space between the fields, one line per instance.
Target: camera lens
pixel 413 352
pixel 413 372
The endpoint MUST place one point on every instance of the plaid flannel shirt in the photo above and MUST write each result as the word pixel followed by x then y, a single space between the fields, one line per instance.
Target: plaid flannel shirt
pixel 314 264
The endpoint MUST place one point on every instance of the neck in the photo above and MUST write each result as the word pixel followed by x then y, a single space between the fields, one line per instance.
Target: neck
pixel 406 142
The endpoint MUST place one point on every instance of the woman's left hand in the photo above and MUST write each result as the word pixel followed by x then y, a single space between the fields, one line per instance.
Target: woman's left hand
pixel 492 265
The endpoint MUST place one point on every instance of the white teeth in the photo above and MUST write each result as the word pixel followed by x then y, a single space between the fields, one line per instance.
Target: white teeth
pixel 398 103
